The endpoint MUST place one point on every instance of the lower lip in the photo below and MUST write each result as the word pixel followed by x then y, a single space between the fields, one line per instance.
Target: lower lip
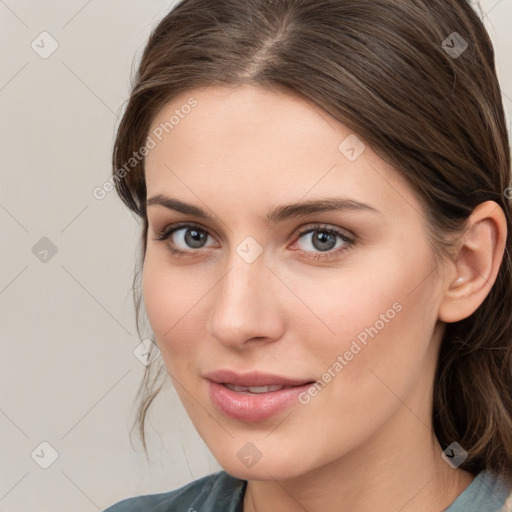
pixel 253 406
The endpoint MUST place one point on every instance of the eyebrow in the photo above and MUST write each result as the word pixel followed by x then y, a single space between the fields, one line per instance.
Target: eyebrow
pixel 279 214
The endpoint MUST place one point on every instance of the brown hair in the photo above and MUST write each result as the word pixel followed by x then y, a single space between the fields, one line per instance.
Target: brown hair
pixel 399 74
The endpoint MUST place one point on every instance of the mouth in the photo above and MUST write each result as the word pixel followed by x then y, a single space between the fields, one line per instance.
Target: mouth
pixel 253 379
pixel 255 389
pixel 253 397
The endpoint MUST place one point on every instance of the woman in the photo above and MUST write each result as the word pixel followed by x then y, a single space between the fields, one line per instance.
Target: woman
pixel 326 261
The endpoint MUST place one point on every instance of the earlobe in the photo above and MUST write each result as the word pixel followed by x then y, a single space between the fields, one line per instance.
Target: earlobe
pixel 476 263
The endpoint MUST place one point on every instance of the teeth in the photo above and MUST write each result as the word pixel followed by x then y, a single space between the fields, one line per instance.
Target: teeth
pixel 254 389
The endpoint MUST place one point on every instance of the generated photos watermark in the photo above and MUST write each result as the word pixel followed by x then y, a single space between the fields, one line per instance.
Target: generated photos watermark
pixel 355 348
pixel 101 192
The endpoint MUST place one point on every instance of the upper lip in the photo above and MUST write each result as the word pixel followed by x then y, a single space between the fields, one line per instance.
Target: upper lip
pixel 252 379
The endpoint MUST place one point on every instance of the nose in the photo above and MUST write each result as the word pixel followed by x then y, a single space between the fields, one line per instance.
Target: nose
pixel 246 306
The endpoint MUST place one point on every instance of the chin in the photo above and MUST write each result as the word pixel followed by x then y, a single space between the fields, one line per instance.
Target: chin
pixel 275 467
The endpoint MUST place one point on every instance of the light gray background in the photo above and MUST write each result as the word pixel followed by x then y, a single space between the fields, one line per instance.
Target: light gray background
pixel 68 369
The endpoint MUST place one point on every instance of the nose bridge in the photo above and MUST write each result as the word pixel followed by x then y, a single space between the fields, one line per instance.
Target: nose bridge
pixel 244 306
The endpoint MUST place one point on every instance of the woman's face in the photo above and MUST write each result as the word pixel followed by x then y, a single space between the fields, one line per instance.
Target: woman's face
pixel 309 264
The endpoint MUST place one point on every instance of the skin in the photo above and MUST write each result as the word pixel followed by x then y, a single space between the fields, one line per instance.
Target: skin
pixel 239 154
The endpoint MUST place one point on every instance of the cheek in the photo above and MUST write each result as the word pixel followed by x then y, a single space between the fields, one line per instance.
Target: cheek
pixel 345 305
pixel 372 360
pixel 159 297
pixel 171 298
pixel 392 367
pixel 380 318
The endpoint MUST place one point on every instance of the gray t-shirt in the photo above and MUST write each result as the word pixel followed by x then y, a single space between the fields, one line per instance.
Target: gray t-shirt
pixel 221 492
pixel 485 493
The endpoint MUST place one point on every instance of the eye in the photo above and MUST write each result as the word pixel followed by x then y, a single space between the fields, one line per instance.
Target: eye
pixel 318 241
pixel 184 239
pixel 324 240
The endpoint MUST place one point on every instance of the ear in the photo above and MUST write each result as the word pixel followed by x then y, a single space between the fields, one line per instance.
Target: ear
pixel 475 264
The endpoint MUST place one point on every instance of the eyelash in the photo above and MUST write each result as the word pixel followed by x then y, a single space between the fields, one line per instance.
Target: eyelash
pixel 166 233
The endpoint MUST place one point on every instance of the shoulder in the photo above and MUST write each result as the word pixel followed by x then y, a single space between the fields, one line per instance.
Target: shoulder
pixel 219 491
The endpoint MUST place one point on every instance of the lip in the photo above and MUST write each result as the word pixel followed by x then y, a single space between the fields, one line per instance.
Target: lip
pixel 253 407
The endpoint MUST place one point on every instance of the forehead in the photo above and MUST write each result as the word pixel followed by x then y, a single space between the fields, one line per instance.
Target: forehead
pixel 250 143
